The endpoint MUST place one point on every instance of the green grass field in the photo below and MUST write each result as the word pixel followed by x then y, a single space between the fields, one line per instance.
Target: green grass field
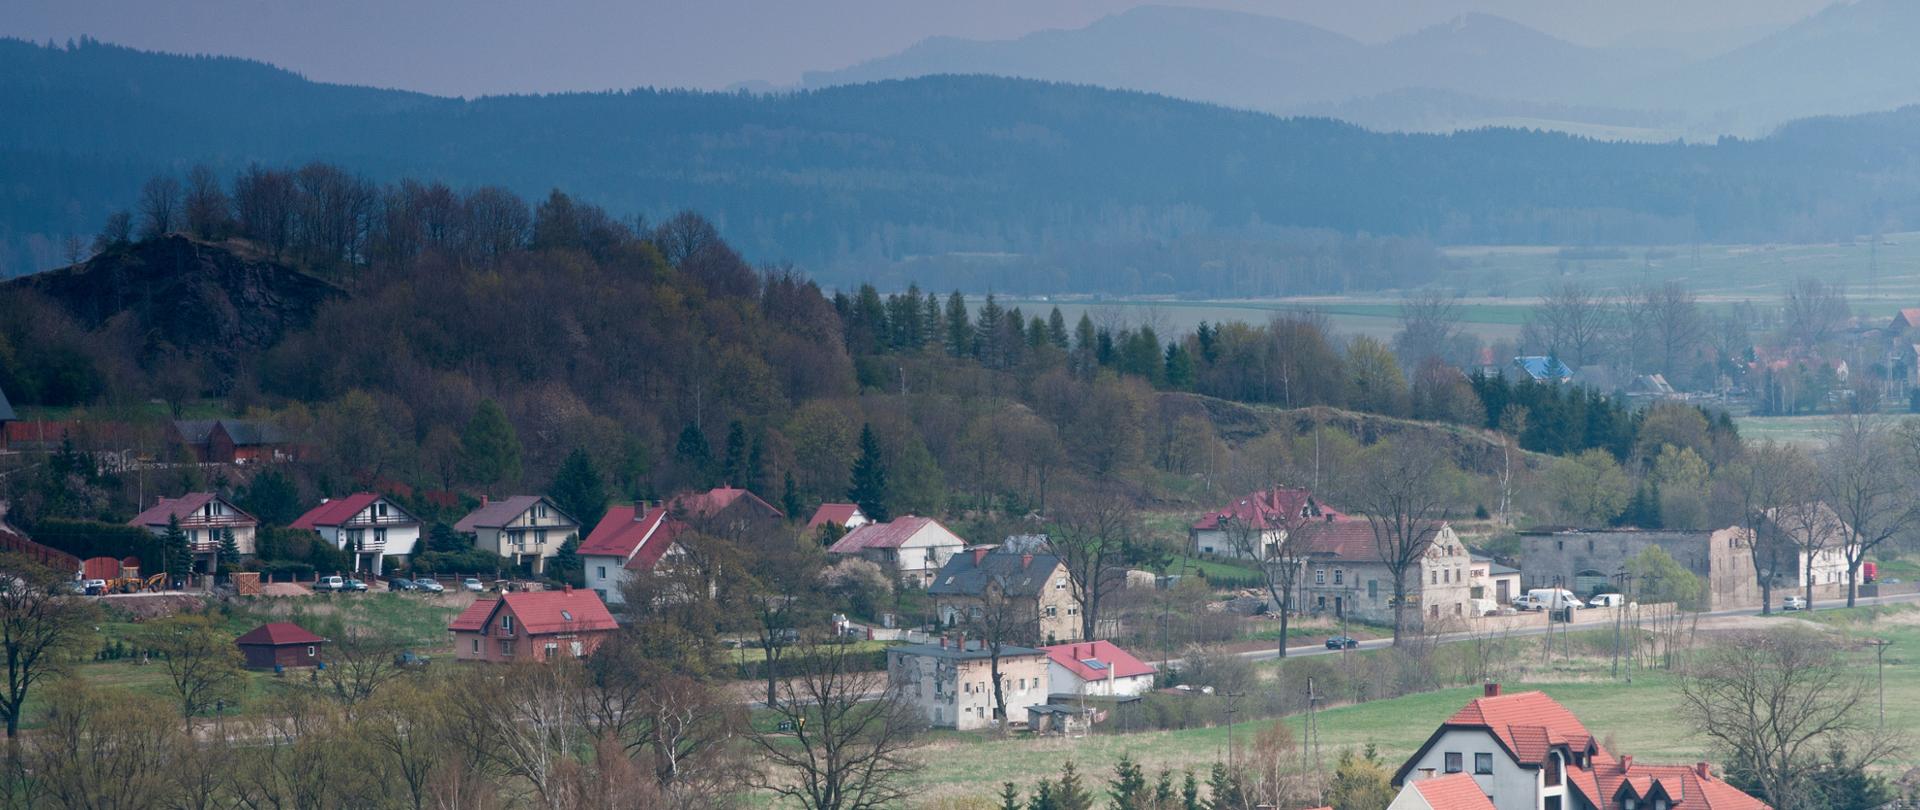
pixel 1804 431
pixel 1638 718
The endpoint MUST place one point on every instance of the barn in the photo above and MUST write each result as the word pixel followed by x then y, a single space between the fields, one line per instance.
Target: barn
pixel 280 645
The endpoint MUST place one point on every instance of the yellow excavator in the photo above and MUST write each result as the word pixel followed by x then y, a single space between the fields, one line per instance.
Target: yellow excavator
pixel 136 584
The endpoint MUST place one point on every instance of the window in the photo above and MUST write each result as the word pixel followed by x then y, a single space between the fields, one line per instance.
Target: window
pixel 600 571
pixel 380 509
pixel 1339 576
pixel 476 646
pixel 1319 576
pixel 1373 589
pixel 380 537
pixel 1073 610
pixel 1483 763
pixel 540 537
pixel 1629 803
pixel 1434 576
pixel 553 649
pixel 1559 545
pixel 540 511
pixel 1553 771
pixel 310 652
pixel 506 647
pixel 1060 584
pixel 1053 610
pixel 506 624
pixel 1453 762
pixel 1589 545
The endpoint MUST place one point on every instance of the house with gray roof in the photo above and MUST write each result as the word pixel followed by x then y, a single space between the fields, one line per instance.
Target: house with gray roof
pixel 979 577
pixel 527 529
pixel 232 441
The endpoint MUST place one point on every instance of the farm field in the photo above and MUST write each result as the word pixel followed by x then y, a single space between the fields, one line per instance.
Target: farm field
pixel 1806 431
pixel 1635 718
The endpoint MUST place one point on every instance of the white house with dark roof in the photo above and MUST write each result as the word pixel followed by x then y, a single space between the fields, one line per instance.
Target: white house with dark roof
pixel 526 529
pixel 914 547
pixel 367 525
pixel 202 516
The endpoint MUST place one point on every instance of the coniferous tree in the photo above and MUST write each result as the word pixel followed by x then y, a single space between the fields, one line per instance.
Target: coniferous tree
pixel 229 549
pixel 1009 796
pixel 566 565
pixel 579 489
pixel 733 465
pixel 1179 373
pixel 1190 794
pixel 869 487
pixel 1042 798
pixel 757 469
pixel 179 561
pixel 1069 793
pixel 1163 791
pixel 959 326
pixel 1057 329
pixel 790 498
pixel 272 497
pixel 1128 788
pixel 694 454
pixel 489 448
pixel 1225 788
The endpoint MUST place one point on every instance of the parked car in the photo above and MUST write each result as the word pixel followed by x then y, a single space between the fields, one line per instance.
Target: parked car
pixel 473 584
pixel 1342 643
pixel 94 587
pixel 356 585
pixel 409 658
pixel 335 583
pixel 430 586
pixel 401 584
pixel 1794 603
pixel 1607 600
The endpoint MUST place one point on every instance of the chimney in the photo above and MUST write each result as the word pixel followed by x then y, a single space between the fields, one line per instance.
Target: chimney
pixel 1026 561
pixel 979 553
pixel 1491 690
pixel 567 589
pixel 1626 762
pixel 1427 773
pixel 1705 770
pixel 483 499
pixel 943 642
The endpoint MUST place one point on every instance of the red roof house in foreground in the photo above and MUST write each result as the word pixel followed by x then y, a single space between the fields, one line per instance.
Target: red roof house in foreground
pixel 531 626
pixel 1525 751
pixel 282 645
pixel 1096 668
pixel 1455 791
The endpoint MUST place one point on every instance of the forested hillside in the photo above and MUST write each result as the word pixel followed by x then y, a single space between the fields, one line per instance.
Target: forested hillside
pixel 975 182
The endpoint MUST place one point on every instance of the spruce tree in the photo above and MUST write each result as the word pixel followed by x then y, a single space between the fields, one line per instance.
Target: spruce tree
pixel 489 448
pixel 1190 794
pixel 733 465
pixel 229 549
pixel 579 489
pixel 173 543
pixel 790 498
pixel 1069 793
pixel 757 469
pixel 1163 792
pixel 696 458
pixel 1009 796
pixel 1225 788
pixel 1057 329
pixel 959 326
pixel 869 488
pixel 1179 374
pixel 1042 798
pixel 1128 787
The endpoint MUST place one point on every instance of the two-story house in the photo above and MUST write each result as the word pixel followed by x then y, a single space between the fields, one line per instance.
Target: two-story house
pixel 1345 575
pixel 640 538
pixel 952 682
pixel 531 626
pixel 914 547
pixel 1525 751
pixel 365 524
pixel 1096 669
pixel 1488 579
pixel 1263 516
pixel 982 576
pixel 202 516
pixel 527 529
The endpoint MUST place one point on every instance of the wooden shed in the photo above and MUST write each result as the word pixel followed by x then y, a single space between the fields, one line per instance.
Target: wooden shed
pixel 280 644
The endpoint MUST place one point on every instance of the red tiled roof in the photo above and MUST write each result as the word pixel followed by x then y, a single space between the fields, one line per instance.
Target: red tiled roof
pixel 475 616
pixel 561 611
pixel 1527 723
pixel 1687 787
pixel 335 512
pixel 892 534
pixel 1267 509
pixel 713 501
pixel 278 634
pixel 835 513
pixel 639 542
pixel 182 507
pixel 1455 791
pixel 1911 315
pixel 1120 663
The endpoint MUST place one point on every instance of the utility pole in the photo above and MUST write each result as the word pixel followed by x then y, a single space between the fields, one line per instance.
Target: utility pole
pixel 1310 747
pixel 1229 697
pixel 1880 646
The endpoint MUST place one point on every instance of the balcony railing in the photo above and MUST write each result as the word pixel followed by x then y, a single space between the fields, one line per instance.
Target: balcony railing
pixel 390 520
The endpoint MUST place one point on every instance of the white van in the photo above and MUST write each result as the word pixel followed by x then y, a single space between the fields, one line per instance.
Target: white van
pixel 1548 599
pixel 1607 600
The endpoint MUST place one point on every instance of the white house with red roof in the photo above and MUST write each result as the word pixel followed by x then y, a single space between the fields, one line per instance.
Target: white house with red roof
pixel 631 538
pixel 1455 791
pixel 531 626
pixel 527 529
pixel 366 524
pixel 1096 669
pixel 1268 513
pixel 844 515
pixel 914 547
pixel 1525 751
pixel 202 516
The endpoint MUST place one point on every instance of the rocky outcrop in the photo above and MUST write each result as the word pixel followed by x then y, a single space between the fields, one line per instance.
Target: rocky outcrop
pixel 205 300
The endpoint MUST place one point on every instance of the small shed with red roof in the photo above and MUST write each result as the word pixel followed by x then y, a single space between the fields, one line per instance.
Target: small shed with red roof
pixel 843 515
pixel 280 645
pixel 532 626
pixel 1096 668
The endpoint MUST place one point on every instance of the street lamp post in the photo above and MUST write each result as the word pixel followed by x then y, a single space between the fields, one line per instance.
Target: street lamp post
pixel 1880 646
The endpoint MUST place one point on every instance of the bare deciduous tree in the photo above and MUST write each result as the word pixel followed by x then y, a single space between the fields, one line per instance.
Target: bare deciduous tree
pixel 1429 320
pixel 201 662
pixel 159 206
pixel 1769 494
pixel 1000 620
pixel 1096 537
pixel 1776 701
pixel 1866 485
pixel 41 630
pixel 1813 308
pixel 842 735
pixel 1570 322
pixel 1401 489
pixel 1280 547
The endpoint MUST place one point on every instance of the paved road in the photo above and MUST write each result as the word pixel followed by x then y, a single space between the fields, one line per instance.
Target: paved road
pixel 1541 629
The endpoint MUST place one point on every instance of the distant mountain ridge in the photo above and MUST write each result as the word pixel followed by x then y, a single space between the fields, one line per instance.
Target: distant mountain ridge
pixel 1476 70
pixel 1009 184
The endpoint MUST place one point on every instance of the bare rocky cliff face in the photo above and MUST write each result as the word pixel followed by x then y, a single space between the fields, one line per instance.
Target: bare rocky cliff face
pixel 179 294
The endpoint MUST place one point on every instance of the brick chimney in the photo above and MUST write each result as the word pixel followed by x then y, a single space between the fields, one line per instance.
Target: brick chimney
pixel 1026 561
pixel 1705 770
pixel 1626 762
pixel 979 553
pixel 1490 690
pixel 483 499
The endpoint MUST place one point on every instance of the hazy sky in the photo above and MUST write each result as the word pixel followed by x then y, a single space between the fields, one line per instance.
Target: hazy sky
pixel 473 47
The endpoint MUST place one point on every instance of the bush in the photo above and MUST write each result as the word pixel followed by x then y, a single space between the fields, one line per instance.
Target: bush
pixel 469 561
